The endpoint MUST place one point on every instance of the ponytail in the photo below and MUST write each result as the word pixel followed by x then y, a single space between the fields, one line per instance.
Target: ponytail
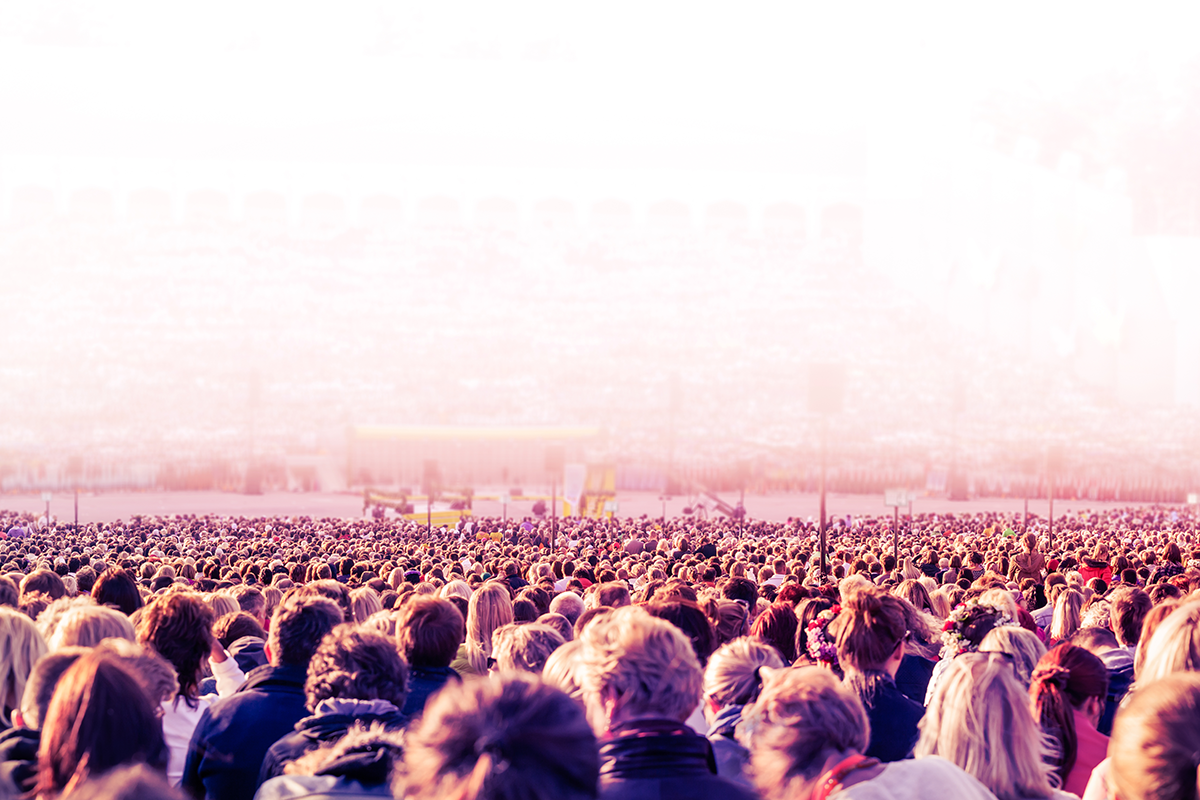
pixel 1063 680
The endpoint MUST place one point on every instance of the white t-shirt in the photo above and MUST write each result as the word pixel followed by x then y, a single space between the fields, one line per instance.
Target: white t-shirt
pixel 929 778
pixel 179 719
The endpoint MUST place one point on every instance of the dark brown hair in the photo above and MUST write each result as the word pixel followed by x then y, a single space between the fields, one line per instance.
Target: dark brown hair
pixel 429 631
pixel 1063 680
pixel 99 718
pixel 178 625
pixel 356 663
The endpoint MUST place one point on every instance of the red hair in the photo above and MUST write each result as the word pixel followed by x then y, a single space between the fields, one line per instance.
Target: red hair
pixel 1063 680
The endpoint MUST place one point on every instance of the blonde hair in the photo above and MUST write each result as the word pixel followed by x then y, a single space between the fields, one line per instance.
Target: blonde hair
pixel 456 588
pixel 1002 599
pixel 383 621
pixel 980 719
pixel 645 663
pixel 152 671
pixel 1024 646
pixel 489 608
pixel 364 601
pixel 271 597
pixel 1067 615
pixel 524 648
pixel 222 604
pixel 941 603
pixel 733 674
pixel 1175 645
pixel 801 716
pixel 87 626
pixel 562 669
pixel 20 648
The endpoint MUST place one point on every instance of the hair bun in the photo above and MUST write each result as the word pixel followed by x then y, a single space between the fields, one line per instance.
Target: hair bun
pixel 1053 674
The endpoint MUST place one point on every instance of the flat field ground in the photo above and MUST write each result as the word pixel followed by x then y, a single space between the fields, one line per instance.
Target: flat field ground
pixel 109 507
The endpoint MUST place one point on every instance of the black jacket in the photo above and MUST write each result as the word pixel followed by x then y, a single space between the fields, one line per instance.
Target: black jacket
pixel 18 760
pixel 662 760
pixel 894 719
pixel 234 733
pixel 329 722
pixel 424 682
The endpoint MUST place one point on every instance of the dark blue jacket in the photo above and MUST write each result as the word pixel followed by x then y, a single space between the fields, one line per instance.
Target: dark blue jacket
pixel 424 682
pixel 912 679
pixel 234 733
pixel 662 760
pixel 329 723
pixel 893 718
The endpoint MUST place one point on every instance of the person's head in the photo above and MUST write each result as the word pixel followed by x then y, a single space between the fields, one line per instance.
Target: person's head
pixel 801 718
pixel 733 675
pixel 231 627
pixel 99 719
pixel 569 604
pixel 776 626
pixel 1128 606
pixel 915 592
pixel 178 625
pixel 1175 645
pixel 251 600
pixel 1068 679
pixel 429 631
pixel 869 632
pixel 301 621
pixel 45 581
pixel 153 672
pixel 730 619
pixel 613 595
pixel 1068 615
pixel 637 666
pixel 979 718
pixel 524 648
pixel 39 688
pixel 505 737
pixel 1017 646
pixel 364 601
pixel 1154 752
pixel 563 669
pixel 20 648
pixel 87 626
pixel 489 608
pixel 116 587
pixel 688 618
pixel 1029 542
pixel 353 663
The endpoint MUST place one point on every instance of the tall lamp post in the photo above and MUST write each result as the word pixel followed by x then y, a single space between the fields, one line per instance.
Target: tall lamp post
pixel 826 389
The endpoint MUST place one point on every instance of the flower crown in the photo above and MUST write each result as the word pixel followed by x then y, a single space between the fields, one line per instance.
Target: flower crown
pixel 820 648
pixel 953 640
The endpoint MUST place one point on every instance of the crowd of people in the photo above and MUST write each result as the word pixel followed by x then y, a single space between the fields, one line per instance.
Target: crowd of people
pixel 234 658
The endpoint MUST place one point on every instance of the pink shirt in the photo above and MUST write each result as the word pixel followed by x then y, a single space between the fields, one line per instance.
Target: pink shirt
pixel 1092 749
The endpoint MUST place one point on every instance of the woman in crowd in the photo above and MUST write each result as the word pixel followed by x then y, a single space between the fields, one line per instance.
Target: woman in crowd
pixel 524 648
pixel 807 733
pixel 490 607
pixel 980 719
pixel 20 648
pixel 871 634
pixel 98 719
pixel 1174 645
pixel 1069 689
pixel 1016 646
pixel 733 679
pixel 776 626
pixel 1030 564
pixel 1068 610
pixel 178 626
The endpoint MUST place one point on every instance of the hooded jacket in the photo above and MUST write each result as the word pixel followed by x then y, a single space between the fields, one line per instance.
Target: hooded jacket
pixel 330 721
pixel 232 737
pixel 359 764
pixel 730 756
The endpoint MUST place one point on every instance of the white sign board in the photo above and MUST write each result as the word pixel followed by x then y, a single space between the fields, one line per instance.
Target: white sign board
pixel 895 497
pixel 45 497
pixel 1193 499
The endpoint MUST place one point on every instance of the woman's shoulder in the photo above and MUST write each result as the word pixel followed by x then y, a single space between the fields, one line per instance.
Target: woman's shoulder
pixel 928 778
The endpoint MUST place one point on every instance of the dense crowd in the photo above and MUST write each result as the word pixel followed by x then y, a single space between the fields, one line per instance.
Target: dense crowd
pixel 274 658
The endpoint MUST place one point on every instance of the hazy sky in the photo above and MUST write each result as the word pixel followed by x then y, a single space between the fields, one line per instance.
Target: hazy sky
pixel 618 71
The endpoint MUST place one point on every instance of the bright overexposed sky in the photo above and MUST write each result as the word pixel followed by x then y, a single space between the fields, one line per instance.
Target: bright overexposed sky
pixel 618 71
